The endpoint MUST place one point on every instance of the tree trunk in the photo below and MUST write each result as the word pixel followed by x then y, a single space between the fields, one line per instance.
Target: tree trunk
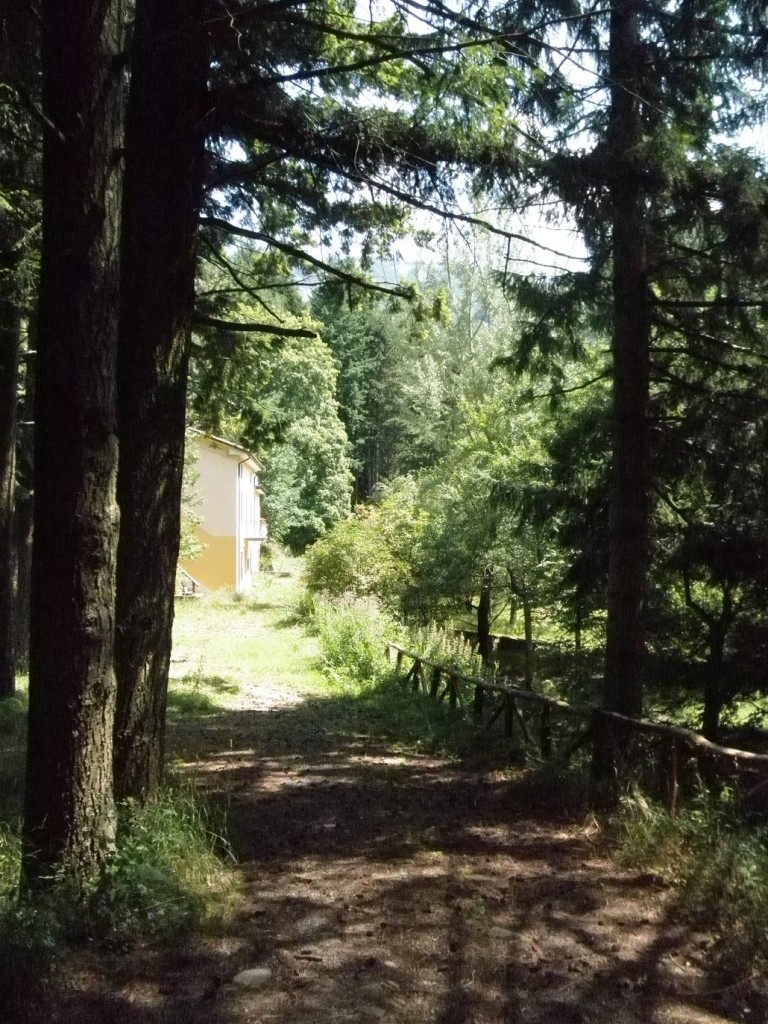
pixel 163 188
pixel 17 45
pixel 528 628
pixel 69 819
pixel 23 519
pixel 10 347
pixel 713 684
pixel 484 642
pixel 714 690
pixel 628 524
pixel 630 502
pixel 24 505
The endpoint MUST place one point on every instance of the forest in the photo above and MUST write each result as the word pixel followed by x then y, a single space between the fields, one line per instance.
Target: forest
pixel 482 283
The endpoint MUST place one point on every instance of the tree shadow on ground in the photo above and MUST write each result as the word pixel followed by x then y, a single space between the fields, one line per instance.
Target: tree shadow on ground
pixel 398 870
pixel 507 905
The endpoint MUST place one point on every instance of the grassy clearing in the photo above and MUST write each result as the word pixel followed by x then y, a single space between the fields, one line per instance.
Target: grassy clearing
pixel 224 642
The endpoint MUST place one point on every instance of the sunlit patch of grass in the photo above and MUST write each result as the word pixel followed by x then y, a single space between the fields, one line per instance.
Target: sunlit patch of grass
pixel 197 694
pixel 245 640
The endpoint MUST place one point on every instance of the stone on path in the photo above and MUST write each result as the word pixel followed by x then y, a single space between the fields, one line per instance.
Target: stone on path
pixel 255 977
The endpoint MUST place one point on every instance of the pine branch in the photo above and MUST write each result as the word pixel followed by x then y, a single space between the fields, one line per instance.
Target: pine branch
pixel 712 303
pixel 454 215
pixel 202 320
pixel 556 392
pixel 304 257
pixel 410 53
pixel 226 265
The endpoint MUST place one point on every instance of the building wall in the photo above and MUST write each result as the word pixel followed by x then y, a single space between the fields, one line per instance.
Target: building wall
pixel 217 489
pixel 230 507
pixel 215 567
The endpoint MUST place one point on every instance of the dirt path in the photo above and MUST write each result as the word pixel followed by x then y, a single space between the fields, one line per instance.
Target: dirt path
pixel 383 885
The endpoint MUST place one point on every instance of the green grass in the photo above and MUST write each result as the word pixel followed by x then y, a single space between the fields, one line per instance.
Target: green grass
pixel 223 642
pixel 169 875
pixel 716 860
pixel 332 654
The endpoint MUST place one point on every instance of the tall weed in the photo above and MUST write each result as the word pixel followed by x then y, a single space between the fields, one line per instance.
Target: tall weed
pixel 169 874
pixel 353 632
pixel 446 647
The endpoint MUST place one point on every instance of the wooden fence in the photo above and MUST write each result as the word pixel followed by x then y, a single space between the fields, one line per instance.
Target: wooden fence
pixel 678 756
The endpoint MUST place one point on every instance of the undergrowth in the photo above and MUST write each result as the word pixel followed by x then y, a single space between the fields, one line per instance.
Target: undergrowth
pixel 717 861
pixel 352 632
pixel 13 715
pixel 169 874
pixel 445 647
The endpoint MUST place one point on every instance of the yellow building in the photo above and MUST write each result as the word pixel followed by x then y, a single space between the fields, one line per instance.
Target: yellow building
pixel 229 503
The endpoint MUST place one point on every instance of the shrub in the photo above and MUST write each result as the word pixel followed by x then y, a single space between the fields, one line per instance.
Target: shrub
pixel 370 553
pixel 353 632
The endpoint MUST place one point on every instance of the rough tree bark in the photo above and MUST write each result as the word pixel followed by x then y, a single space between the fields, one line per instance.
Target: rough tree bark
pixel 163 189
pixel 630 501
pixel 69 819
pixel 17 37
pixel 10 347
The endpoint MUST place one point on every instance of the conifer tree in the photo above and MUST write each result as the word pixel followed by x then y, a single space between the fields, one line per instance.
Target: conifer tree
pixel 69 816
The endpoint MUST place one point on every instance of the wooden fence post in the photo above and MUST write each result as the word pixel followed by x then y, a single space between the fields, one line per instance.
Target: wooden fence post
pixel 477 706
pixel 399 661
pixel 509 716
pixel 604 775
pixel 434 685
pixel 673 778
pixel 417 670
pixel 452 697
pixel 546 732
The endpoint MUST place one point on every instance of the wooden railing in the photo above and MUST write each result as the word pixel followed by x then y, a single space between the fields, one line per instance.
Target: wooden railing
pixel 681 755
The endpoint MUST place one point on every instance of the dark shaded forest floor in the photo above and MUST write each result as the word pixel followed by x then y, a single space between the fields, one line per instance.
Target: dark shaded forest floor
pixel 382 883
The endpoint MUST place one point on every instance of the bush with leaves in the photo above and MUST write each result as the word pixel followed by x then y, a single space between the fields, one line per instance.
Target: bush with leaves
pixel 369 553
pixel 353 633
